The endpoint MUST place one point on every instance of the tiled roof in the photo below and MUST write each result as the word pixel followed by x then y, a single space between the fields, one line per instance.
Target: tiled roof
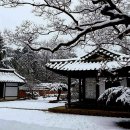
pixel 9 75
pixel 115 61
pixel 109 53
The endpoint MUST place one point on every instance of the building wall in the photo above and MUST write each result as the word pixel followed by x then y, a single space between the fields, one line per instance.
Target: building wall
pixel 10 98
pixel 101 85
pixel 11 91
pixel 90 88
pixel 42 92
pixel 124 82
pixel 22 94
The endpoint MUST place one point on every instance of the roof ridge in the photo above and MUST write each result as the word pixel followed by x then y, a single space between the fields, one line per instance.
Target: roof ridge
pixel 104 51
pixel 19 75
pixel 7 70
pixel 115 52
pixel 60 60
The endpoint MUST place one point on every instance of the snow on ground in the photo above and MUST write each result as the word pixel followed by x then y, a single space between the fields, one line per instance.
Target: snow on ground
pixel 15 119
pixel 41 103
pixel 20 119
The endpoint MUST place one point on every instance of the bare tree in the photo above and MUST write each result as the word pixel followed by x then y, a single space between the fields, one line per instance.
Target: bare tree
pixel 74 21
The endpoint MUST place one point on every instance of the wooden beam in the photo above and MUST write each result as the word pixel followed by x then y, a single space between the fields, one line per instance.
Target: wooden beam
pixel 84 89
pixel 80 90
pixel 4 90
pixel 18 91
pixel 127 79
pixel 97 91
pixel 97 87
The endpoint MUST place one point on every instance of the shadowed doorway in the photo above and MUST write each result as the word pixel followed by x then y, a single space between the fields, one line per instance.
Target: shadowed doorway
pixel 1 89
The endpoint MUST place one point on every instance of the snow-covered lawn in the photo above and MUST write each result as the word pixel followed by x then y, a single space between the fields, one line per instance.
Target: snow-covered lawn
pixel 14 119
pixel 41 103
pixel 18 119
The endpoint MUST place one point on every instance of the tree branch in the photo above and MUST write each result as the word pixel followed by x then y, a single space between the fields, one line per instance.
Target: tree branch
pixel 124 33
pixel 90 10
pixel 87 30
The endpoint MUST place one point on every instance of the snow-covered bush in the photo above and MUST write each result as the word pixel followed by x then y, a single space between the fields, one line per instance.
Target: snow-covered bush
pixel 33 95
pixel 115 96
pixel 57 86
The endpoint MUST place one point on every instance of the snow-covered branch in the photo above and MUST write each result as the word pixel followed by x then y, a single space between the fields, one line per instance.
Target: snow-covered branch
pixel 65 19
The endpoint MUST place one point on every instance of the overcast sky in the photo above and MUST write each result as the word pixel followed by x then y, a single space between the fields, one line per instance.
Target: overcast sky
pixel 12 17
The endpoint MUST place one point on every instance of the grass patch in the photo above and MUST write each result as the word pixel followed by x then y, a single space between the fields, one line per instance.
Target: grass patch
pixel 93 112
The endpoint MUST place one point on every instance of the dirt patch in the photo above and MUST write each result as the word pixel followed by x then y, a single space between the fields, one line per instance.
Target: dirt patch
pixel 89 112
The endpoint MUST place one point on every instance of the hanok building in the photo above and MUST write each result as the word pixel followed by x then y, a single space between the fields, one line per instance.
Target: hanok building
pixel 93 71
pixel 9 84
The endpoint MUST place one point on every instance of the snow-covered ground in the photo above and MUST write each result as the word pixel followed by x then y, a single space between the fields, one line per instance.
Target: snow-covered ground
pixel 20 119
pixel 41 103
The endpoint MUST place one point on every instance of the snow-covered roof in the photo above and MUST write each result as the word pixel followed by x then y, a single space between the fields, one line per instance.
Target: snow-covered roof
pixel 9 75
pixel 98 59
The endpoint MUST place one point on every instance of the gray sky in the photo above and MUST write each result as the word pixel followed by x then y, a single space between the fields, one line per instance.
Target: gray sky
pixel 12 17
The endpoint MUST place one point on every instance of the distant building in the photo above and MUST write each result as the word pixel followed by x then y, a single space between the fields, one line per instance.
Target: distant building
pixel 96 71
pixel 9 84
pixel 44 89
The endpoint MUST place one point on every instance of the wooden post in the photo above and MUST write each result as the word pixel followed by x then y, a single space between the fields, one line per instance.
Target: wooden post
pixel 80 90
pixel 83 86
pixel 97 91
pixel 97 87
pixel 127 82
pixel 69 91
pixel 18 91
pixel 127 79
pixel 4 90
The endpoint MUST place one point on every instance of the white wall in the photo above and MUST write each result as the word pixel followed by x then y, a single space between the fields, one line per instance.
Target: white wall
pixel 11 91
pixel 124 82
pixel 101 85
pixel 90 88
